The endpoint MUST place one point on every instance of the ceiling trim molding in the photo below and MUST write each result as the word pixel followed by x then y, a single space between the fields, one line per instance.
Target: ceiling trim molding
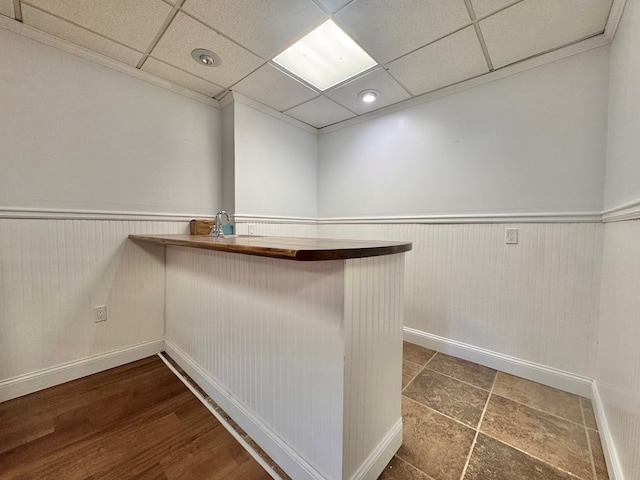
pixel 238 97
pixel 613 22
pixel 515 68
pixel 627 211
pixel 55 42
pixel 71 214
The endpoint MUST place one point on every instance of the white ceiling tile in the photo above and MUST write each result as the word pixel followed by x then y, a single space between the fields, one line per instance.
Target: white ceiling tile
pixel 133 23
pixel 388 29
pixel 265 27
pixel 451 60
pixel 273 88
pixel 320 112
pixel 180 77
pixel 186 34
pixel 483 7
pixel 390 92
pixel 6 8
pixel 79 36
pixel 332 5
pixel 536 26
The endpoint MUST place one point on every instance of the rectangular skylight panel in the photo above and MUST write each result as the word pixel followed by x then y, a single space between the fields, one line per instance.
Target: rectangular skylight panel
pixel 325 57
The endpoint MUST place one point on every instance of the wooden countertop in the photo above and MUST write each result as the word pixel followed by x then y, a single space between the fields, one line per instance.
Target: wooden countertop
pixel 289 248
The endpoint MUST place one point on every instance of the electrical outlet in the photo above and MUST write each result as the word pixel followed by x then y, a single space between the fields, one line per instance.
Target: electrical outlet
pixel 511 236
pixel 100 313
pixel 252 229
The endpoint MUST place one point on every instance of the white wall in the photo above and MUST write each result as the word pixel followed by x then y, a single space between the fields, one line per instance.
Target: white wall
pixel 228 159
pixel 275 166
pixel 531 142
pixel 618 370
pixel 623 147
pixel 77 135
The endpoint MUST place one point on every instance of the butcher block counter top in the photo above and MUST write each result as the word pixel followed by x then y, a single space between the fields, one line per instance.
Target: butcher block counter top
pixel 289 248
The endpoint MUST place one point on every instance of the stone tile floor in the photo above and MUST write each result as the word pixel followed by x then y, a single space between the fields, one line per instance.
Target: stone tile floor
pixel 463 421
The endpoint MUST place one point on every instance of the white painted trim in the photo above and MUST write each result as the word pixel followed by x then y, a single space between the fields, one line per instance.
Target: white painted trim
pixel 568 382
pixel 615 15
pixel 608 446
pixel 557 217
pixel 55 42
pixel 60 214
pixel 286 458
pixel 244 218
pixel 235 96
pixel 528 64
pixel 222 420
pixel 626 211
pixel 48 377
pixel 379 458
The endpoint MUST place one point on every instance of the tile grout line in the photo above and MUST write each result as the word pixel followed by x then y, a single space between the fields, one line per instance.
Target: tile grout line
pixel 429 477
pixel 475 438
pixel 528 454
pixel 586 431
pixel 418 372
pixel 438 412
pixel 543 411
pixel 426 366
pixel 461 381
pixel 412 379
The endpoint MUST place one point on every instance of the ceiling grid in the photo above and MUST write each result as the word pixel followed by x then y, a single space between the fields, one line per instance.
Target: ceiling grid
pixel 420 46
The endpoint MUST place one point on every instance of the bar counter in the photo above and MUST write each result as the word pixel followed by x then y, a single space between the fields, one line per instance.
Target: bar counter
pixel 288 248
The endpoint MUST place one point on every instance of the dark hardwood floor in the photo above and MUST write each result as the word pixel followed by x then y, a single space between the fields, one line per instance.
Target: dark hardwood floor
pixel 135 421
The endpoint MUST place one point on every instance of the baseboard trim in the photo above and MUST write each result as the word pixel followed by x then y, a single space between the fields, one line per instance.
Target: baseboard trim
pixel 49 377
pixel 380 456
pixel 610 453
pixel 287 459
pixel 552 377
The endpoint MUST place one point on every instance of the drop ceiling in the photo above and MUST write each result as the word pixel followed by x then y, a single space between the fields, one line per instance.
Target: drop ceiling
pixel 419 45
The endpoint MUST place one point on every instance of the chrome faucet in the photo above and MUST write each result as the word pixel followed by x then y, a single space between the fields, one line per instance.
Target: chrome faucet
pixel 217 228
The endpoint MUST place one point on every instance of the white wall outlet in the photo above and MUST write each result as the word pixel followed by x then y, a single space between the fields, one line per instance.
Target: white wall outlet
pixel 252 228
pixel 100 313
pixel 511 236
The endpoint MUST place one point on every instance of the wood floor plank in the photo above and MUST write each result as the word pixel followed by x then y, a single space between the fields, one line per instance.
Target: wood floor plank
pixel 134 421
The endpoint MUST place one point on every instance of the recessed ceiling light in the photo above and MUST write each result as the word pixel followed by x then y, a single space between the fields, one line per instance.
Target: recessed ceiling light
pixel 325 57
pixel 206 57
pixel 369 96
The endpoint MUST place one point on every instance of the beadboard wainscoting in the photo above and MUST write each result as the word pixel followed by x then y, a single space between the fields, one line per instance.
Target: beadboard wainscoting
pixel 536 301
pixel 52 273
pixel 530 309
pixel 287 348
pixel 618 376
